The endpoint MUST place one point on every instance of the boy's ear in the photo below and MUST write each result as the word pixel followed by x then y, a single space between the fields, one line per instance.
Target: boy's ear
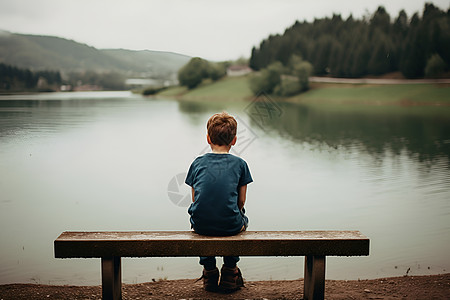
pixel 234 140
pixel 208 139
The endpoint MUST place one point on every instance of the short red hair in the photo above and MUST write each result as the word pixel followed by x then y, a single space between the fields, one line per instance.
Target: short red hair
pixel 221 129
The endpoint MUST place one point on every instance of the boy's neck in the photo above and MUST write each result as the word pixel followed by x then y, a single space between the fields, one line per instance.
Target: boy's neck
pixel 223 149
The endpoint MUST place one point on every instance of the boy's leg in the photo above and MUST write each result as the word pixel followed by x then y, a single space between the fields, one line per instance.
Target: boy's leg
pixel 208 262
pixel 230 261
pixel 231 277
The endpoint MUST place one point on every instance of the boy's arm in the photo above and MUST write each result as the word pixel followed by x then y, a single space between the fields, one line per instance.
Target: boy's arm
pixel 193 192
pixel 242 192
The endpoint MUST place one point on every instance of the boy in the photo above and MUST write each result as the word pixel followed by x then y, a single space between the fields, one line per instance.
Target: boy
pixel 219 185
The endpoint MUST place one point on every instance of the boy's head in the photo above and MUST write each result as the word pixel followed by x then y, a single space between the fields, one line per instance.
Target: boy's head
pixel 221 129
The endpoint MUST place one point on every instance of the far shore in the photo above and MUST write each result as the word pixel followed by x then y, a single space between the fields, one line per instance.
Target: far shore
pixel 326 90
pixel 406 287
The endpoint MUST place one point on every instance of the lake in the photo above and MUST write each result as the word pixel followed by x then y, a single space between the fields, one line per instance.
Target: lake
pixel 116 161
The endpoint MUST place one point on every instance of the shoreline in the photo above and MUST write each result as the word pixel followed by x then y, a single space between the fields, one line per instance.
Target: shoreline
pixel 344 92
pixel 410 287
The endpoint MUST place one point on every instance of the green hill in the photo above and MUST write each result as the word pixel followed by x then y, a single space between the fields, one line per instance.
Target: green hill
pixel 54 53
pixel 149 63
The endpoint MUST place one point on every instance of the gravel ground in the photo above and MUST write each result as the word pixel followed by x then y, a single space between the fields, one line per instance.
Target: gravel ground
pixel 408 287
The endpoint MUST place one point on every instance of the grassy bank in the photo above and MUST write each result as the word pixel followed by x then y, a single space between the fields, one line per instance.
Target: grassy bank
pixel 425 100
pixel 399 94
pixel 226 89
pixel 236 89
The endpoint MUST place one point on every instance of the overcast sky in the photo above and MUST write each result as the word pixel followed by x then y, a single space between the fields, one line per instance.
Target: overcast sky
pixel 211 29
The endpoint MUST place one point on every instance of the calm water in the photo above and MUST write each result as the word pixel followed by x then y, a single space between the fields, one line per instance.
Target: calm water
pixel 111 161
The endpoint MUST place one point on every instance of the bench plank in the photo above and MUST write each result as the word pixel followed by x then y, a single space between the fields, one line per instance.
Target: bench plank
pixel 187 243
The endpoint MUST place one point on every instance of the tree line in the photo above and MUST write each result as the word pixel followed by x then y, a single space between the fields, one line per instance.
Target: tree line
pixel 17 79
pixel 417 47
pixel 13 79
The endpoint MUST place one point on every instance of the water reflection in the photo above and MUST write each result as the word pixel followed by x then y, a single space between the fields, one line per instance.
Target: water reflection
pixel 193 107
pixel 44 116
pixel 424 137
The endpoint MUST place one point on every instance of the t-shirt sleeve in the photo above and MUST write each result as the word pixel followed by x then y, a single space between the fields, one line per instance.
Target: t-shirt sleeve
pixel 190 176
pixel 246 177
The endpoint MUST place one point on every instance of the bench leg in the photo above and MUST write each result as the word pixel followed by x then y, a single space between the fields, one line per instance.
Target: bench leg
pixel 314 282
pixel 111 278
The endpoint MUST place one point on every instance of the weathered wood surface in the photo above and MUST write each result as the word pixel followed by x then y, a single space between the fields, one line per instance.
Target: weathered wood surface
pixel 187 243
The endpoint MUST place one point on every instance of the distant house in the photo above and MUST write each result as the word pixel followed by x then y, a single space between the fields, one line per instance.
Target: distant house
pixel 238 70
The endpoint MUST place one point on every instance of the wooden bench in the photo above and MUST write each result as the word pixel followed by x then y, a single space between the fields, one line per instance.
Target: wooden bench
pixel 111 246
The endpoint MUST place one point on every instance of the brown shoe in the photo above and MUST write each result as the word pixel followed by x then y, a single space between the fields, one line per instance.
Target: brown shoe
pixel 210 280
pixel 230 279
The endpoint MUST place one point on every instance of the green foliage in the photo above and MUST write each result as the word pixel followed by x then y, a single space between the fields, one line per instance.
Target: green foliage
pixel 197 69
pixel 322 51
pixel 192 74
pixel 303 72
pixel 254 61
pixel 267 80
pixel 288 86
pixel 380 21
pixel 356 48
pixel 357 65
pixel 413 58
pixel 273 74
pixel 435 67
pixel 217 71
pixel 380 60
pixel 258 82
pixel 283 81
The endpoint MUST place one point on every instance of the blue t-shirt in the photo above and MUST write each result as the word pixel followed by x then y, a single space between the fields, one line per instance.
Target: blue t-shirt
pixel 216 179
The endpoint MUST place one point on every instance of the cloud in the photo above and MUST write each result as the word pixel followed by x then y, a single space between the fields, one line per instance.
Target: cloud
pixel 214 30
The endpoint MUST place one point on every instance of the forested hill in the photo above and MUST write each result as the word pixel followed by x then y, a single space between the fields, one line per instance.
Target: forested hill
pixel 59 54
pixel 417 46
